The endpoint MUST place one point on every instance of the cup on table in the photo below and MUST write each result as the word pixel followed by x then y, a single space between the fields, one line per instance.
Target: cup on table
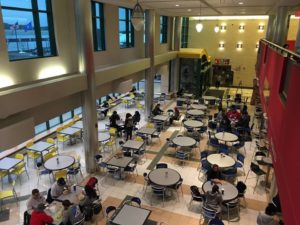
pixel 222 191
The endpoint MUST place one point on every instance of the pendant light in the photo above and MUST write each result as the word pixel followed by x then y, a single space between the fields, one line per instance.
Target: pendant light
pixel 137 18
pixel 199 25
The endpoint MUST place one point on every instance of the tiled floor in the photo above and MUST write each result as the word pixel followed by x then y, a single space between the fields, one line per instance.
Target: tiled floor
pixel 113 191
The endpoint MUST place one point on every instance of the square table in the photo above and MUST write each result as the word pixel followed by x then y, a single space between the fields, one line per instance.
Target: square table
pixel 78 124
pixel 131 215
pixel 146 130
pixel 130 144
pixel 161 118
pixel 71 131
pixel 8 163
pixel 120 162
pixel 40 147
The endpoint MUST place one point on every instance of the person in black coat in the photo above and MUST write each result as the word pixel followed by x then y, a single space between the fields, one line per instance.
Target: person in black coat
pixel 214 174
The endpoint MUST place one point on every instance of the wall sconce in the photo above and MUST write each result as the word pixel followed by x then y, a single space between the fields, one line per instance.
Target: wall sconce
pixel 239 46
pixel 261 28
pixel 223 28
pixel 217 29
pixel 221 45
pixel 242 28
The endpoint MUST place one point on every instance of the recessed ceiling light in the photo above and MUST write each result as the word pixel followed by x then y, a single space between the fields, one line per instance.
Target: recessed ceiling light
pixel 241 3
pixel 189 10
pixel 177 5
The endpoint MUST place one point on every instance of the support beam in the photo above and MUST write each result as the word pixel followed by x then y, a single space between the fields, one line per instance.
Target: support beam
pixel 86 66
pixel 271 27
pixel 149 51
pixel 297 44
pixel 282 26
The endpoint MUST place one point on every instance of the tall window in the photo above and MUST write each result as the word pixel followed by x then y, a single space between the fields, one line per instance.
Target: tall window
pixel 98 26
pixel 163 29
pixel 28 28
pixel 126 31
pixel 184 32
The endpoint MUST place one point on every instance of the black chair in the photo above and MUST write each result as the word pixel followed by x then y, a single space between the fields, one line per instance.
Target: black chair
pixel 196 195
pixel 161 165
pixel 234 204
pixel 241 187
pixel 257 170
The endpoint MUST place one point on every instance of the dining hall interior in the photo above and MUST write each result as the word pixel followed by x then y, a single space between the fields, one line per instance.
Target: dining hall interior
pixel 149 112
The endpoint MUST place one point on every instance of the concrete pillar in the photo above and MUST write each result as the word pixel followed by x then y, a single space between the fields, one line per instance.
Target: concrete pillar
pixel 297 44
pixel 282 26
pixel 271 28
pixel 86 66
pixel 175 62
pixel 149 53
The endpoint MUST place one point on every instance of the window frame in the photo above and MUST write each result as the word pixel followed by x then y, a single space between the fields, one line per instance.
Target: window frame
pixel 163 25
pixel 129 41
pixel 95 18
pixel 37 28
pixel 184 32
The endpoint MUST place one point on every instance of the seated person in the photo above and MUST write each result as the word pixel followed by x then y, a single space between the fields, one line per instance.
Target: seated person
pixel 269 217
pixel 214 199
pixel 244 120
pixel 175 116
pixel 157 111
pixel 233 114
pixel 35 199
pixel 133 90
pixel 136 117
pixel 58 188
pixel 105 105
pixel 89 197
pixel 180 92
pixel 39 217
pixel 225 123
pixel 113 120
pixel 72 214
pixel 214 174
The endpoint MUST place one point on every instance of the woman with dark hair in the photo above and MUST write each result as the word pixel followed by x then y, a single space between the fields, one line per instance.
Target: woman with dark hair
pixel 269 217
pixel 136 117
pixel 90 196
pixel 214 199
pixel 128 126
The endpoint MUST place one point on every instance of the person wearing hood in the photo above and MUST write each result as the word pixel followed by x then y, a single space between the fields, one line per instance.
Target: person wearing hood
pixel 214 199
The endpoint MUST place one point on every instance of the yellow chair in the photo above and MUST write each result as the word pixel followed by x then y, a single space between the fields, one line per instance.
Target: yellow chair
pixel 19 156
pixel 76 118
pixel 150 125
pixel 59 174
pixel 19 169
pixel 53 150
pixel 139 105
pixel 31 154
pixel 111 103
pixel 51 141
pixel 3 174
pixel 109 114
pixel 112 131
pixel 125 102
pixel 65 126
pixel 138 138
pixel 131 95
pixel 61 137
pixel 48 156
pixel 110 144
pixel 9 194
pixel 70 124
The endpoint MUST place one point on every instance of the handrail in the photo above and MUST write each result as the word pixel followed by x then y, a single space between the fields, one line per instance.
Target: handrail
pixel 290 54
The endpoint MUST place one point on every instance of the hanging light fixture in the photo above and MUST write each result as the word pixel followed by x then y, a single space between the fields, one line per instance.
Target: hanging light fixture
pixel 137 18
pixel 217 28
pixel 199 25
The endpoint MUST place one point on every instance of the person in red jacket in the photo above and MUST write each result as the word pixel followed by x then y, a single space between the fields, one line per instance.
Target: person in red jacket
pixel 39 217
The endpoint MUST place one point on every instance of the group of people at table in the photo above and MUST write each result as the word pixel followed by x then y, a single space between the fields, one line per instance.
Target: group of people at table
pixel 42 211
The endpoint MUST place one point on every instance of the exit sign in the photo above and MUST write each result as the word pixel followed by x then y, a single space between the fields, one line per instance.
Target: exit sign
pixel 297 14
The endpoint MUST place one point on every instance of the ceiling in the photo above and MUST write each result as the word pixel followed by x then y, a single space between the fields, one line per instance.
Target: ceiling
pixel 211 7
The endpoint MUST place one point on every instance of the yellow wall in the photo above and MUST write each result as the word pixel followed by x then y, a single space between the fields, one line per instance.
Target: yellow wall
pixel 242 61
pixel 293 28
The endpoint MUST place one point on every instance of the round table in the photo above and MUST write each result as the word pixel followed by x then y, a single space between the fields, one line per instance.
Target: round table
pixel 195 112
pixel 209 98
pixel 230 191
pixel 164 177
pixel 102 137
pixel 193 123
pixel 184 141
pixel 63 162
pixel 227 137
pixel 223 161
pixel 199 106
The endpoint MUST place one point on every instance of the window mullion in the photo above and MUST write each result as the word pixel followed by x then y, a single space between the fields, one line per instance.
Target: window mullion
pixel 37 28
pixel 51 27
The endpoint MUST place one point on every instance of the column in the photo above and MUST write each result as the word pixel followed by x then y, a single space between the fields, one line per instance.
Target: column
pixel 282 26
pixel 149 53
pixel 297 44
pixel 270 27
pixel 86 67
pixel 175 62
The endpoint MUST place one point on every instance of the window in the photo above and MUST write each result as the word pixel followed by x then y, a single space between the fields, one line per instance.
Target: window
pixel 40 128
pixel 126 31
pixel 53 122
pixel 28 28
pixel 184 32
pixel 98 26
pixel 77 111
pixel 66 116
pixel 163 29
